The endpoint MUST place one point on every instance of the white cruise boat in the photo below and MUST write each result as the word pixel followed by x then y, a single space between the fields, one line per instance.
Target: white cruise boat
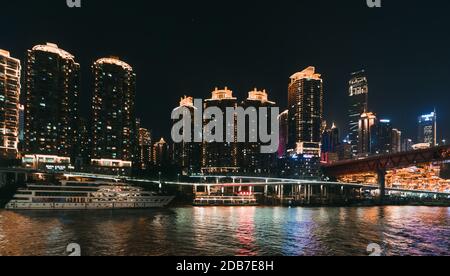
pixel 78 195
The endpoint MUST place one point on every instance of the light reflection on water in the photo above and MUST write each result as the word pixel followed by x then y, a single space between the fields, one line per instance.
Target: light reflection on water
pixel 242 231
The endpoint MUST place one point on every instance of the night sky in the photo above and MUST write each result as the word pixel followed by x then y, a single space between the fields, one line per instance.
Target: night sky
pixel 189 47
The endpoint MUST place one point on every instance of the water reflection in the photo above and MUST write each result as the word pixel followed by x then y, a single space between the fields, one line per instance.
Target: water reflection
pixel 229 231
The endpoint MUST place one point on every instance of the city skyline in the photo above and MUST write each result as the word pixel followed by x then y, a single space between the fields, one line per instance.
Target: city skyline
pixel 224 128
pixel 171 71
pixel 118 76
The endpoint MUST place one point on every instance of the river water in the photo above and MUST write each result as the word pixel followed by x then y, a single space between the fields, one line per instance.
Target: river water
pixel 242 231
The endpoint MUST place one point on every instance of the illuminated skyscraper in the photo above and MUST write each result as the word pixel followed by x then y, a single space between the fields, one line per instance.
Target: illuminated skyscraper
pixel 9 105
pixel 220 157
pixel 187 154
pixel 358 104
pixel 84 150
pixel 51 101
pixel 366 121
pixel 330 144
pixel 21 123
pixel 161 153
pixel 330 139
pixel 428 129
pixel 396 141
pixel 407 145
pixel 145 148
pixel 283 120
pixel 381 137
pixel 305 125
pixel 305 102
pixel 251 160
pixel 384 138
pixel 113 111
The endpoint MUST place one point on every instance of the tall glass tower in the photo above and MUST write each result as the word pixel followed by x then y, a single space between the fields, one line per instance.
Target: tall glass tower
pixel 358 104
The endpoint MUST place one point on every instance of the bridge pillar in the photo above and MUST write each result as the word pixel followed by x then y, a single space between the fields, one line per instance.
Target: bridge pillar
pixel 309 192
pixel 299 192
pixel 281 193
pixel 321 192
pixel 382 184
pixel 306 194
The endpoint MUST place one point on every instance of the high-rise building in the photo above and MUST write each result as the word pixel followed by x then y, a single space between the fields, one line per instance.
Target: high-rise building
pixel 220 157
pixel 358 104
pixel 114 134
pixel 283 120
pixel 187 154
pixel 330 144
pixel 366 121
pixel 160 153
pixel 407 145
pixel 428 129
pixel 251 160
pixel 381 137
pixel 305 125
pixel 396 141
pixel 330 139
pixel 51 102
pixel 145 148
pixel 305 102
pixel 344 151
pixel 84 150
pixel 21 123
pixel 9 105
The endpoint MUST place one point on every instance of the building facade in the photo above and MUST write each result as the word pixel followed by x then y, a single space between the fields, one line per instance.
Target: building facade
pixel 145 148
pixel 52 88
pixel 250 159
pixel 305 100
pixel 114 134
pixel 220 157
pixel 187 154
pixel 161 155
pixel 331 139
pixel 330 144
pixel 283 121
pixel 407 145
pixel 381 137
pixel 358 104
pixel 10 72
pixel 366 121
pixel 396 141
pixel 427 132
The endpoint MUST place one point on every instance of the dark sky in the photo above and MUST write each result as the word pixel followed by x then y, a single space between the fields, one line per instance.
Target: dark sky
pixel 189 47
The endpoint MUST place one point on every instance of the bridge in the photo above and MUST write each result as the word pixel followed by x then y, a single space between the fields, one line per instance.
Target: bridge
pixel 382 163
pixel 251 181
pixel 269 190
